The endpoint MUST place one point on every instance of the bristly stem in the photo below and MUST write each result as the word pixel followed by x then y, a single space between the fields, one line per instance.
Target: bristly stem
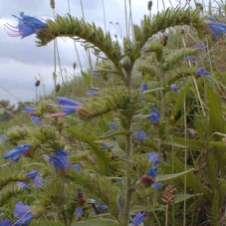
pixel 129 153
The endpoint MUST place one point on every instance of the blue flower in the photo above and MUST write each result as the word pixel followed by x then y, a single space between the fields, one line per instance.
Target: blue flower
pixel 154 117
pixel 36 120
pixel 141 136
pixel 202 72
pixel 60 161
pixel 77 167
pixel 154 158
pixel 138 219
pixel 217 29
pixel 144 87
pixel 157 186
pixel 100 208
pixel 30 110
pixel 23 186
pixel 5 223
pixel 33 113
pixel 36 177
pixel 201 46
pixel 113 126
pixel 174 88
pixel 69 106
pixel 27 26
pixel 23 213
pixel 18 152
pixel 153 172
pixel 191 59
pixel 79 212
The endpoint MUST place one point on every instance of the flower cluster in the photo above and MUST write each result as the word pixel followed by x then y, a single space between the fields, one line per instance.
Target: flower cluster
pixel 149 179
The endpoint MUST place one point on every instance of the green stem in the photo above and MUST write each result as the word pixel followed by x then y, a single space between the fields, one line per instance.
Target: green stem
pixel 167 215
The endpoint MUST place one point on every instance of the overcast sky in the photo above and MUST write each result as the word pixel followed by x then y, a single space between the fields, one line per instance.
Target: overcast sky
pixel 21 60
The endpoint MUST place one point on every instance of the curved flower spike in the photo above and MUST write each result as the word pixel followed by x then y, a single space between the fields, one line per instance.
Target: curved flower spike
pixel 23 213
pixel 27 25
pixel 18 152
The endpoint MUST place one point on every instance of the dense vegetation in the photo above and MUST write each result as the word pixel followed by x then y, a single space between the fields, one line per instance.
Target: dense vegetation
pixel 143 142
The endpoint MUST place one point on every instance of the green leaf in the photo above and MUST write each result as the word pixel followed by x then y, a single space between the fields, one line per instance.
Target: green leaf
pixel 167 177
pixel 97 222
pixel 215 111
pixel 183 197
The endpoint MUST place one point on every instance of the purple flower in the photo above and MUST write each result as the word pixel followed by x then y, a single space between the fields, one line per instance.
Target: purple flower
pixel 5 223
pixel 23 186
pixel 69 106
pixel 217 29
pixel 174 88
pixel 157 186
pixel 138 219
pixel 60 160
pixel 27 26
pixel 140 136
pixel 92 92
pixel 154 117
pixel 144 87
pixel 23 213
pixel 202 72
pixel 18 152
pixel 154 158
pixel 36 177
